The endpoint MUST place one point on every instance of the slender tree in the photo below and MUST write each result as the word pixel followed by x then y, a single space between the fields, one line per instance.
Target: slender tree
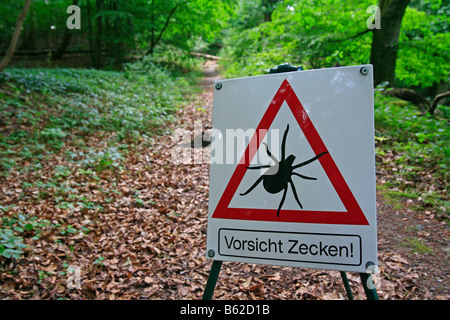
pixel 154 39
pixel 15 37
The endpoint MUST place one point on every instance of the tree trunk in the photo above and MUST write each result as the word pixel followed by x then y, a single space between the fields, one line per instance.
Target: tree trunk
pixel 384 50
pixel 15 37
pixel 152 36
pixel 65 42
pixel 59 52
pixel 117 49
pixel 99 36
pixel 28 34
pixel 91 45
pixel 268 7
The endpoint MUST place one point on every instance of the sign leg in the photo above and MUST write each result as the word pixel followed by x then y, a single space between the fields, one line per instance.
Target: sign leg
pixel 347 285
pixel 369 286
pixel 212 279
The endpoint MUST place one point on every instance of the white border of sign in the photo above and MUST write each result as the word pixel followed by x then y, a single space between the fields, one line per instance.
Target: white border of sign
pixel 339 103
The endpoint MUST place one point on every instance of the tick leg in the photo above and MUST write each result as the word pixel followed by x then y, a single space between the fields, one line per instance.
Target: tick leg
pixel 260 167
pixel 304 177
pixel 295 194
pixel 309 161
pixel 270 154
pixel 253 186
pixel 282 201
pixel 283 144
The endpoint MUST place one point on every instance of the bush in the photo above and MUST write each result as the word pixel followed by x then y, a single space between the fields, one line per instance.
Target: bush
pixel 11 245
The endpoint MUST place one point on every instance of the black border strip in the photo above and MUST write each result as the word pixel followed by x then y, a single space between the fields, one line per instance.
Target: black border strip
pixel 293 260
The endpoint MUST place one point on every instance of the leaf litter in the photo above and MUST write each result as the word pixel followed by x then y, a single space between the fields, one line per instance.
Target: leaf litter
pixel 139 232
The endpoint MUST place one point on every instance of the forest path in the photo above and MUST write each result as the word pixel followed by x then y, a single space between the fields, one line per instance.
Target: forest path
pixel 210 73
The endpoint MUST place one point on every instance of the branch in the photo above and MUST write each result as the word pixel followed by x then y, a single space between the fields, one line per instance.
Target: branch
pixel 205 55
pixel 435 101
pixel 411 96
pixel 416 98
pixel 360 34
pixel 153 44
pixel 352 37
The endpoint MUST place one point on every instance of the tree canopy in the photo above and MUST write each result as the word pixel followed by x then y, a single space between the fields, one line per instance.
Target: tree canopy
pixel 252 35
pixel 321 33
pixel 118 27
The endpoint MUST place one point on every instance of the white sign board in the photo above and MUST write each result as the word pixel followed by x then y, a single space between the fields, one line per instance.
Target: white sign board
pixel 292 179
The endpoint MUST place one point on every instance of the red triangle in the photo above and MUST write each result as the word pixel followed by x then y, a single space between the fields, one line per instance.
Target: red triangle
pixel 353 214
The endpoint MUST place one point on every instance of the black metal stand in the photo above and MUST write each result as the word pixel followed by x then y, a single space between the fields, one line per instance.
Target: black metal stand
pixel 366 279
pixel 212 279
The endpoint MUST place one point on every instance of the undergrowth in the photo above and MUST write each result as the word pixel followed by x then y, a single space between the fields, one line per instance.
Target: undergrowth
pixel 43 110
pixel 90 120
pixel 412 149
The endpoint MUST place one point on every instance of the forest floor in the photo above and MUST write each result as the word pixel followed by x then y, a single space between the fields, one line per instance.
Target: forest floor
pixel 148 239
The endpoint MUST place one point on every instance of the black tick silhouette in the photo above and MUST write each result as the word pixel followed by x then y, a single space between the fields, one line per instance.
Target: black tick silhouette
pixel 279 176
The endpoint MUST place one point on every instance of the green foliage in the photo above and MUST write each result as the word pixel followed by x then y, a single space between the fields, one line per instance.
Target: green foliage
pixel 174 59
pixel 424 47
pixel 121 29
pixel 313 33
pixel 53 136
pixel 10 245
pixel 417 245
pixel 99 261
pixel 9 10
pixel 60 81
pixel 421 139
pixel 420 145
pixel 193 20
pixel 321 34
pixel 70 103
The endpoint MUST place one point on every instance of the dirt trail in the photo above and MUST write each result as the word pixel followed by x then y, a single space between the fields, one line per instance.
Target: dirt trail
pixel 210 73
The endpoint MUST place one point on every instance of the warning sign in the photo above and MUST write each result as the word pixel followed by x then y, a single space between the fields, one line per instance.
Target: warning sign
pixel 292 174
